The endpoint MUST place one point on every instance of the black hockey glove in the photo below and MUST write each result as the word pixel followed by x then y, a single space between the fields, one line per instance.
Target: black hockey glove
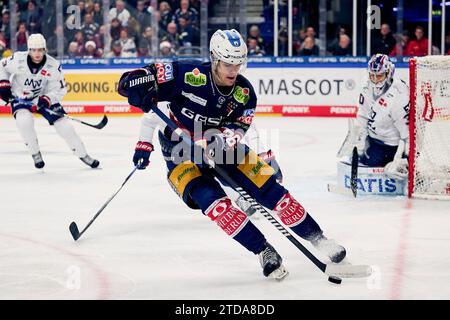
pixel 142 154
pixel 140 88
pixel 5 90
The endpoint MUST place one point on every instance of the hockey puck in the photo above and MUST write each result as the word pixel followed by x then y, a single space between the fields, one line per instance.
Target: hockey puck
pixel 334 279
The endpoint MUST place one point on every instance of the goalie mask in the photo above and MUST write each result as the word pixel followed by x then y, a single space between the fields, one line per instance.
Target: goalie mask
pixel 381 73
pixel 228 46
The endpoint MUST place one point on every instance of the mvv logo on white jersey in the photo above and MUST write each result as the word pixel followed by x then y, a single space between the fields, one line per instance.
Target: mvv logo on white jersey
pixel 33 83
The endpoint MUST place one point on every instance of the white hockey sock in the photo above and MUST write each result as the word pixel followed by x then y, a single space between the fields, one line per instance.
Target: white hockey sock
pixel 65 129
pixel 25 124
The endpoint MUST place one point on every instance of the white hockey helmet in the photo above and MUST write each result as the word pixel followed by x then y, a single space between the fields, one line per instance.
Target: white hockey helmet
pixel 228 46
pixel 380 64
pixel 36 41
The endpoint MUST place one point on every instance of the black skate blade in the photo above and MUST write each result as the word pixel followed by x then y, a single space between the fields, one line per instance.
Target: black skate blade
pixel 74 231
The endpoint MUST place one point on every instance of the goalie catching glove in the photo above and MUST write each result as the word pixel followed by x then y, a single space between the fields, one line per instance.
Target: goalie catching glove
pixel 398 168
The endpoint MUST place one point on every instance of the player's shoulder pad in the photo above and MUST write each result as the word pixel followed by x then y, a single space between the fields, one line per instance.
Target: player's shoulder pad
pixel 400 91
pixel 52 63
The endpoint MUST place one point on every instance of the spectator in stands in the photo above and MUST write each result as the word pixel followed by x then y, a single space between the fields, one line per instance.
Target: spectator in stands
pixel 52 42
pixel 91 50
pixel 142 15
pixel 299 38
pixel 343 48
pixel 120 13
pixel 4 25
pixel 89 27
pixel 145 42
pixel 99 38
pixel 115 29
pixel 190 14
pixel 79 39
pixel 32 17
pixel 116 50
pixel 310 32
pixel 82 6
pixel 309 47
pixel 166 15
pixel 384 43
pixel 166 49
pixel 283 42
pixel 185 33
pixel 419 46
pixel 253 48
pixel 22 37
pixel 402 41
pixel 171 35
pixel 98 13
pixel 73 51
pixel 255 33
pixel 335 42
pixel 128 45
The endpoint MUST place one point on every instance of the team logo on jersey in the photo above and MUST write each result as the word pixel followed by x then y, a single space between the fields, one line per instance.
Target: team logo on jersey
pixel 241 94
pixel 195 78
pixel 164 72
pixel 33 83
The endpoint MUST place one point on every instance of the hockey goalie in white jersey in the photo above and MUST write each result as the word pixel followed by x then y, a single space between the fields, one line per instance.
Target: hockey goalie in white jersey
pixel 380 132
pixel 32 82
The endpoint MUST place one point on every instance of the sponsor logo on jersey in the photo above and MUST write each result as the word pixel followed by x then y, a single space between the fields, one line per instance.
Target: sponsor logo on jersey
pixel 198 117
pixel 241 94
pixel 194 98
pixel 164 72
pixel 246 120
pixel 382 102
pixel 220 102
pixel 195 78
pixel 249 112
pixel 45 73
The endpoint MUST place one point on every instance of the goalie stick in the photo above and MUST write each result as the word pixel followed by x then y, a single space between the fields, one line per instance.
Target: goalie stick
pixel 332 270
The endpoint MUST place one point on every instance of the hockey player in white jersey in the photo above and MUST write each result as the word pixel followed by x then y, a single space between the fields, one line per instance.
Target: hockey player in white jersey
pixel 381 130
pixel 32 82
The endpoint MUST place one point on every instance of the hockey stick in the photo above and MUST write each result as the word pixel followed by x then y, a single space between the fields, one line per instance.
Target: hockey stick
pixel 332 270
pixel 354 172
pixel 76 234
pixel 100 125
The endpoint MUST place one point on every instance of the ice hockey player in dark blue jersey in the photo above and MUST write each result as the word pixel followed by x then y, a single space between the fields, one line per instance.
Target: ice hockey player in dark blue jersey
pixel 215 97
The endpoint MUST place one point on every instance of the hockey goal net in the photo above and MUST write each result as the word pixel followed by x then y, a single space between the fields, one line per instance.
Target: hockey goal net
pixel 429 155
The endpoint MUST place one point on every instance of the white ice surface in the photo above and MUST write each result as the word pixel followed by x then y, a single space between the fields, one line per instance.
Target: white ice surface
pixel 148 245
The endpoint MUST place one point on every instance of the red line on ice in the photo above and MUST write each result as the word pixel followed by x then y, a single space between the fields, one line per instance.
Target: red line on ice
pixel 399 267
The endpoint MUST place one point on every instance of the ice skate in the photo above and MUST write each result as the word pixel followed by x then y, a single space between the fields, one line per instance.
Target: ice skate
pixel 38 161
pixel 93 163
pixel 330 248
pixel 271 263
